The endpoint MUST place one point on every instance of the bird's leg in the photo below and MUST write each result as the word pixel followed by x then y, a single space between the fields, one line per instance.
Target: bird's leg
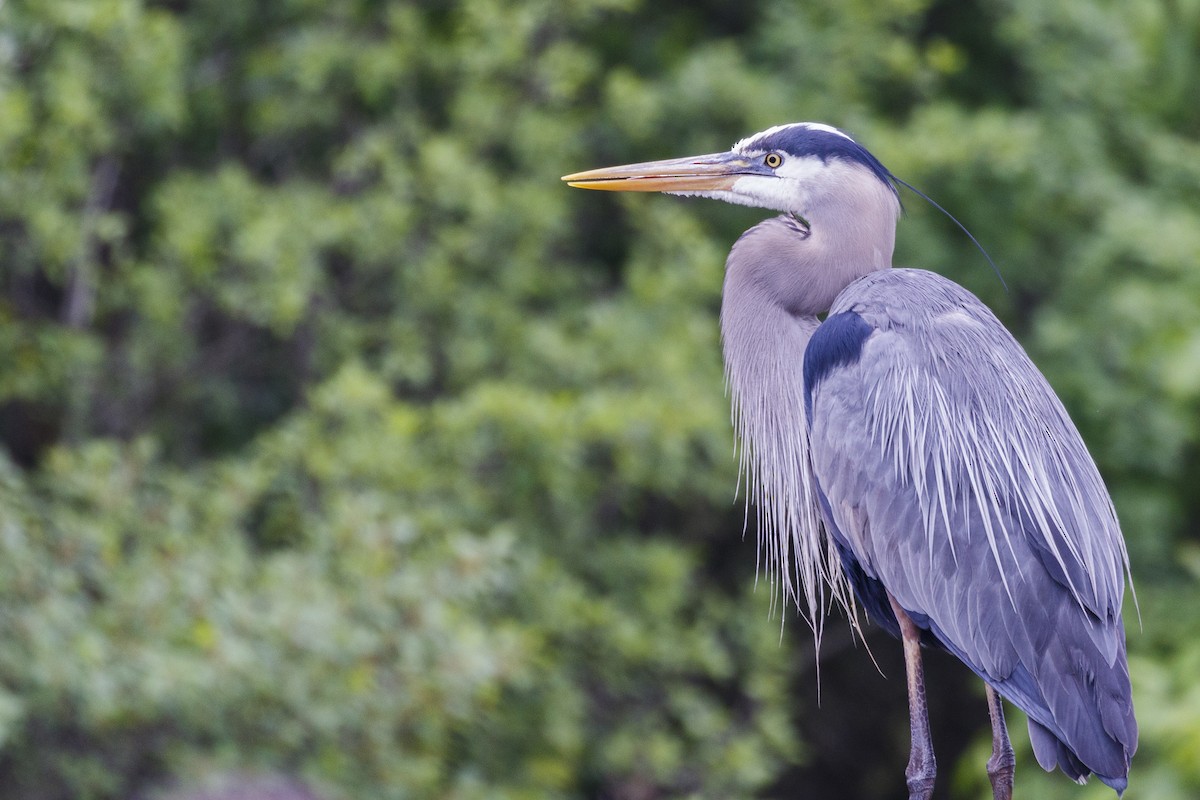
pixel 1002 763
pixel 922 766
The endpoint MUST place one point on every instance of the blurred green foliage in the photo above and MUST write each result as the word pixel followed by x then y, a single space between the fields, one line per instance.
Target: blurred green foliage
pixel 342 440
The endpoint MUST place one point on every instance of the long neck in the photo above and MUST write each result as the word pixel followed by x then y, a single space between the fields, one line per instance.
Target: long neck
pixel 780 275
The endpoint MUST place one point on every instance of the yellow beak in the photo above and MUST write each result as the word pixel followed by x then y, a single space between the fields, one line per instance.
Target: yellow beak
pixel 690 174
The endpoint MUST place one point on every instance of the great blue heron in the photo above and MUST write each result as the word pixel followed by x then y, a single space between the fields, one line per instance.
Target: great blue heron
pixel 907 453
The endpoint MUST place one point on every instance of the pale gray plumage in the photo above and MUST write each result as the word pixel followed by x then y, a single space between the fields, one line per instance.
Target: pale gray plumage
pixel 961 486
pixel 906 456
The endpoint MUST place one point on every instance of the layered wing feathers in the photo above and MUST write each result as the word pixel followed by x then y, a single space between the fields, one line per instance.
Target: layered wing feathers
pixel 953 476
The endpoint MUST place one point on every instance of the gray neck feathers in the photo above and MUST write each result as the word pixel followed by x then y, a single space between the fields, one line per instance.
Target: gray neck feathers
pixel 779 276
pixel 802 268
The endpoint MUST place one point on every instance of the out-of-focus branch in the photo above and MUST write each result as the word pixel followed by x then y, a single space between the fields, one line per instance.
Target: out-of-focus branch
pixel 80 301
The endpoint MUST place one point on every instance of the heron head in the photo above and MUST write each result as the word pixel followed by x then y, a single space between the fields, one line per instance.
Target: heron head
pixel 795 168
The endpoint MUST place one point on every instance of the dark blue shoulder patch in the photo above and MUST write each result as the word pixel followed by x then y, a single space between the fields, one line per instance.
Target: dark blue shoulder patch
pixel 837 342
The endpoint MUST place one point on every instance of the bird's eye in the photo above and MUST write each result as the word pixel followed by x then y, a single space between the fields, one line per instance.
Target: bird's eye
pixel 773 160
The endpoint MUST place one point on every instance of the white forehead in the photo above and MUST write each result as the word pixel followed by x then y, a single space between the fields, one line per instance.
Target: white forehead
pixel 741 146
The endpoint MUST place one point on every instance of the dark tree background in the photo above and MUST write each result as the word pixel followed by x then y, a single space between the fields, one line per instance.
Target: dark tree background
pixel 342 442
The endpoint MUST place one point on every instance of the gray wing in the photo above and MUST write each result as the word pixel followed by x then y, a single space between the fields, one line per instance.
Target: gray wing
pixel 952 477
